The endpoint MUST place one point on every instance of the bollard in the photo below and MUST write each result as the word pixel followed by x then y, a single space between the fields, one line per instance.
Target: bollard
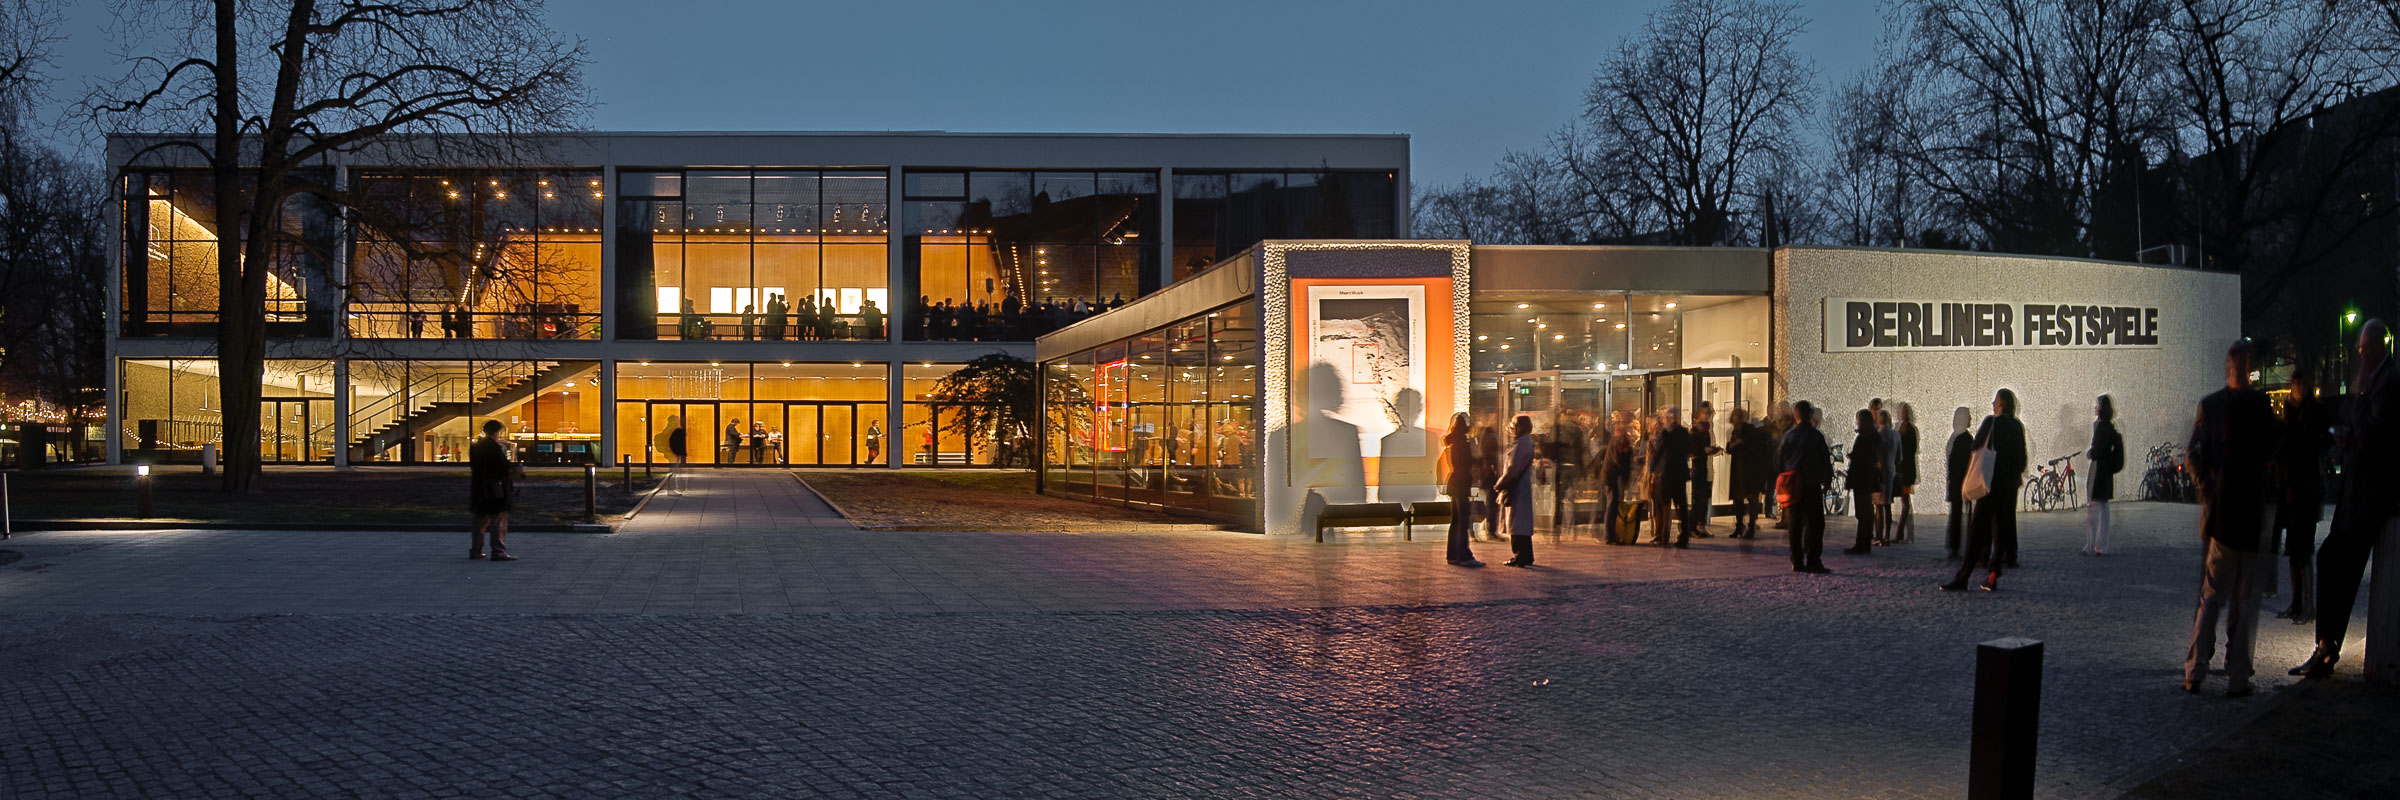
pixel 2382 664
pixel 646 462
pixel 8 522
pixel 626 461
pixel 143 508
pixel 591 491
pixel 2008 705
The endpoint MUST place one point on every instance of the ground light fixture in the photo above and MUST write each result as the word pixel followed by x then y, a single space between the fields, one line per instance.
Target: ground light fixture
pixel 144 507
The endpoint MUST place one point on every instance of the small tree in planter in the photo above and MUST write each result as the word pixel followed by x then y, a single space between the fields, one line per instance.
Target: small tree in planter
pixel 993 399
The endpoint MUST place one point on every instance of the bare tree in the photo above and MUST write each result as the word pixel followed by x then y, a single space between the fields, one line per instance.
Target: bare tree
pixel 2274 98
pixel 273 90
pixel 1697 108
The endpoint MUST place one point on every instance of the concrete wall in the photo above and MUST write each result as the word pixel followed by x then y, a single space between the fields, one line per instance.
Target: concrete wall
pixel 2155 389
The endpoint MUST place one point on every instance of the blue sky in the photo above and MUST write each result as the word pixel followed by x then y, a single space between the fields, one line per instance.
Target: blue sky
pixel 1467 81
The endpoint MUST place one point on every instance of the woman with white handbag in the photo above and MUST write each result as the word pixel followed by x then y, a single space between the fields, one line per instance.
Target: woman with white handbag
pixel 1998 468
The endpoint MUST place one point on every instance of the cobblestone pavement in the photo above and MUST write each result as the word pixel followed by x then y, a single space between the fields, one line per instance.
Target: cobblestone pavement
pixel 1645 673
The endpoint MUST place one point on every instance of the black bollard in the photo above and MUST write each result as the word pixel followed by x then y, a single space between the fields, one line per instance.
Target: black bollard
pixel 143 508
pixel 591 491
pixel 626 462
pixel 2008 706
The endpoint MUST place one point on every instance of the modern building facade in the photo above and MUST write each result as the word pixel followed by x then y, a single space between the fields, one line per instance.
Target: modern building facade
pixel 785 298
pixel 1299 374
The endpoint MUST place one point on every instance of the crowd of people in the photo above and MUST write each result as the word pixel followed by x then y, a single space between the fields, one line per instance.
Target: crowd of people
pixel 783 320
pixel 1010 320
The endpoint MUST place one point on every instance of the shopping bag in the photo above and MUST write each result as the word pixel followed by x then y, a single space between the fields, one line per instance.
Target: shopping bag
pixel 1783 488
pixel 1979 474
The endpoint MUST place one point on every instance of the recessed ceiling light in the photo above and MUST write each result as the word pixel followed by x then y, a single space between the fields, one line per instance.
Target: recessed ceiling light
pixel 1524 305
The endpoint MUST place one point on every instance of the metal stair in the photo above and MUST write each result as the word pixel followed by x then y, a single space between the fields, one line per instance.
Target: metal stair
pixel 440 398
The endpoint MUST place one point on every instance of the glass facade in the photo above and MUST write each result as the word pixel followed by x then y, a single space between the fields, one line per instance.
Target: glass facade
pixel 1619 332
pixel 1218 214
pixel 1168 418
pixel 431 411
pixel 767 413
pixel 475 254
pixel 753 254
pixel 173 407
pixel 171 250
pixel 1010 255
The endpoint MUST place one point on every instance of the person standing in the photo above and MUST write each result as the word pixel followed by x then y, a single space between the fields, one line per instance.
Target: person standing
pixel 1886 528
pixel 2370 466
pixel 1616 471
pixel 1804 457
pixel 2300 488
pixel 2233 442
pixel 493 483
pixel 1670 463
pixel 1865 481
pixel 1747 451
pixel 679 449
pixel 2107 454
pixel 758 442
pixel 732 444
pixel 779 316
pixel 1904 476
pixel 1565 451
pixel 1514 491
pixel 1778 424
pixel 874 442
pixel 1704 446
pixel 1961 458
pixel 1992 532
pixel 1458 481
pixel 1488 454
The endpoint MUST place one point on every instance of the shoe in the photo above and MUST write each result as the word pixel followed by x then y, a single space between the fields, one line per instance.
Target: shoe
pixel 1467 563
pixel 1819 569
pixel 1682 545
pixel 2191 686
pixel 1859 551
pixel 474 554
pixel 2239 692
pixel 499 556
pixel 1953 587
pixel 1513 563
pixel 1799 569
pixel 1991 583
pixel 2319 665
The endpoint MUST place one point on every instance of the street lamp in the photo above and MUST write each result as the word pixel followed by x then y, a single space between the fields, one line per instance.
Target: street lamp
pixel 2341 348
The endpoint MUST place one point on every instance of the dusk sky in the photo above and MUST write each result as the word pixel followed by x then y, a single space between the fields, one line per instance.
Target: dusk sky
pixel 1467 81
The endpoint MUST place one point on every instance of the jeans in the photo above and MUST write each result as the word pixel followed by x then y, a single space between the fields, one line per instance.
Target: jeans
pixel 2230 584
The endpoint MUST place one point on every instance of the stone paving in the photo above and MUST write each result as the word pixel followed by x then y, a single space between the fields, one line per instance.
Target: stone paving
pixel 739 641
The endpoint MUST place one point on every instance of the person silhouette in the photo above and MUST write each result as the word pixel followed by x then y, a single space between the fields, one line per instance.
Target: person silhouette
pixel 1330 465
pixel 1394 481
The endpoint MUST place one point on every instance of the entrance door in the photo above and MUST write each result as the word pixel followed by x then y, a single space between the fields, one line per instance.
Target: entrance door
pixel 837 435
pixel 295 431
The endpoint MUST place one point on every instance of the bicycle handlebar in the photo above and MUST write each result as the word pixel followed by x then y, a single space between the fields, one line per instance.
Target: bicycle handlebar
pixel 2064 457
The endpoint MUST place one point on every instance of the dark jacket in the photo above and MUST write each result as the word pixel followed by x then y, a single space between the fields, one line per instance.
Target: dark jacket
pixel 1704 436
pixel 1866 463
pixel 2371 452
pixel 2006 437
pixel 1962 458
pixel 1458 457
pixel 1671 457
pixel 1616 462
pixel 1751 456
pixel 1803 454
pixel 2300 460
pixel 492 477
pixel 2233 441
pixel 2108 458
pixel 1904 471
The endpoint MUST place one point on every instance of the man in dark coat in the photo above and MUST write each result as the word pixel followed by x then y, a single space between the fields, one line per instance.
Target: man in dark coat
pixel 2370 468
pixel 1704 445
pixel 2233 443
pixel 1962 457
pixel 1866 482
pixel 1670 475
pixel 1804 456
pixel 2300 489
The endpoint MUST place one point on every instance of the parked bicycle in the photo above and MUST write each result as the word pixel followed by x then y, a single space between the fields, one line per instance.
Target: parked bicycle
pixel 2053 485
pixel 2166 478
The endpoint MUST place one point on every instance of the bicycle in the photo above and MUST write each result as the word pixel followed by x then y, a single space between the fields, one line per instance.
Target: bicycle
pixel 2166 479
pixel 1837 502
pixel 2053 484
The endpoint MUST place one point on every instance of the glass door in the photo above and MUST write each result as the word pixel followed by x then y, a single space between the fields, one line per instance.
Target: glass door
pixel 837 435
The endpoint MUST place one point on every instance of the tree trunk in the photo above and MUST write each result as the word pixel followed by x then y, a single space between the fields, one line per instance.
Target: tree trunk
pixel 241 338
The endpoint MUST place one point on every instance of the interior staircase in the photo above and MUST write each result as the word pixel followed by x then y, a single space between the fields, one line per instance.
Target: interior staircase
pixel 436 399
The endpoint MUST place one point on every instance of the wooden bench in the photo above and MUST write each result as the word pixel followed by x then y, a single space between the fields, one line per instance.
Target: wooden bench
pixel 1360 515
pixel 941 459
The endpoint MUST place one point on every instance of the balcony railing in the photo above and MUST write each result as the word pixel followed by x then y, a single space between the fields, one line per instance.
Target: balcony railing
pixel 474 325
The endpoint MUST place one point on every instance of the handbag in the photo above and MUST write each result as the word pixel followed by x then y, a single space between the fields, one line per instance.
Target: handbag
pixel 1978 484
pixel 1783 488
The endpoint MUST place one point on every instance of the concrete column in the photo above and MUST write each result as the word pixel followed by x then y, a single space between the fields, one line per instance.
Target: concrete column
pixel 894 391
pixel 894 216
pixel 341 326
pixel 341 407
pixel 1165 243
pixel 610 448
pixel 2383 610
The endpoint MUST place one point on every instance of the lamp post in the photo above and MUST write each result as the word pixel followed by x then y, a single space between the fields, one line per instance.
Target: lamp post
pixel 2341 348
pixel 143 507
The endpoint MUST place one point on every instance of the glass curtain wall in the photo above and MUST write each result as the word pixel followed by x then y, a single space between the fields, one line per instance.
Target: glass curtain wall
pixel 1011 255
pixel 174 406
pixel 764 414
pixel 1619 332
pixel 783 255
pixel 1219 213
pixel 432 411
pixel 171 245
pixel 931 430
pixel 1167 418
pixel 476 254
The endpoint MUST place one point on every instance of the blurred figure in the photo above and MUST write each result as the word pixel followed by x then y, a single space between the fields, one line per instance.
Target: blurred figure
pixel 1458 478
pixel 1748 452
pixel 1804 456
pixel 1961 458
pixel 494 484
pixel 1616 472
pixel 1778 424
pixel 2300 488
pixel 2370 466
pixel 1904 476
pixel 1704 445
pixel 1488 453
pixel 1670 464
pixel 2107 454
pixel 1992 533
pixel 1515 492
pixel 2232 445
pixel 1865 481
